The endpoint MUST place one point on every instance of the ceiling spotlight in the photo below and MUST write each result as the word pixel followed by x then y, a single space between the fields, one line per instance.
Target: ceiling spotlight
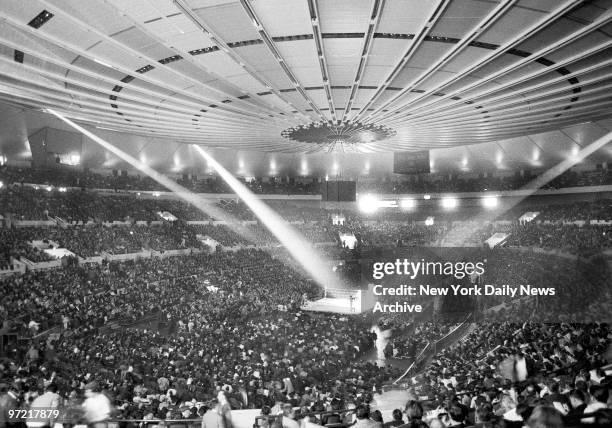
pixel 499 158
pixel 490 201
pixel 575 152
pixel 449 203
pixel 368 204
pixel 407 203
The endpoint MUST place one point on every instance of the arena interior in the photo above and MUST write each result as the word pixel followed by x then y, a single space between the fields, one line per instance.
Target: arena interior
pixel 198 199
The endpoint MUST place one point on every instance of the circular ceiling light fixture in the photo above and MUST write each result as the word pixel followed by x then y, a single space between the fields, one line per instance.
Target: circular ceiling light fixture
pixel 344 136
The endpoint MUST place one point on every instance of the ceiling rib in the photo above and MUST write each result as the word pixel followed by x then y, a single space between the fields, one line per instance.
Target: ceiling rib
pixel 188 107
pixel 375 14
pixel 491 110
pixel 410 50
pixel 188 57
pixel 313 8
pixel 486 126
pixel 148 118
pixel 184 7
pixel 263 34
pixel 520 124
pixel 551 104
pixel 478 98
pixel 533 96
pixel 522 36
pixel 463 139
pixel 143 77
pixel 499 123
pixel 89 94
pixel 599 22
pixel 103 107
pixel 514 130
pixel 484 24
pixel 224 95
pixel 172 130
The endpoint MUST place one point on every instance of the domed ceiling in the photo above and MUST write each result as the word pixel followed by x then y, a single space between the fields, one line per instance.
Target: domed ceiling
pixel 312 76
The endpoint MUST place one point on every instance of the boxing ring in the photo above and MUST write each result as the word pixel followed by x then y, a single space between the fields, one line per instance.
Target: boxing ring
pixel 342 301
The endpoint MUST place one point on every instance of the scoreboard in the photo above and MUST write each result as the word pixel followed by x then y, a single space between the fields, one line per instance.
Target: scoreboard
pixel 411 162
pixel 339 191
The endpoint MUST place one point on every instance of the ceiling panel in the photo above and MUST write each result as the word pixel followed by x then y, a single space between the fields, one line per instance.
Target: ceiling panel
pixel 405 16
pixel 344 16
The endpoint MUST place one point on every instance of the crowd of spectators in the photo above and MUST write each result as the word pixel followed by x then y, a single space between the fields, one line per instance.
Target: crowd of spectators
pixel 505 374
pixel 26 203
pixel 90 241
pixel 95 240
pixel 580 228
pixel 434 183
pixel 555 232
pixel 572 178
pixel 81 206
pixel 222 234
pixel 231 321
pixel 385 233
pixel 88 295
pixel 577 228
pixel 578 211
pixel 72 177
pixel 443 183
pixel 409 345
pixel 573 239
pixel 234 325
pixel 575 281
pixel 14 243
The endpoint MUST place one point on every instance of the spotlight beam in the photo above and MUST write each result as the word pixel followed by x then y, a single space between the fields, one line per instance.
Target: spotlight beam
pixel 302 251
pixel 180 191
pixel 544 178
pixel 563 166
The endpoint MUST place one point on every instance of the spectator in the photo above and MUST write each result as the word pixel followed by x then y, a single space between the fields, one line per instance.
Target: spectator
pixel 545 417
pixel 397 419
pixel 47 402
pixel 97 407
pixel 362 414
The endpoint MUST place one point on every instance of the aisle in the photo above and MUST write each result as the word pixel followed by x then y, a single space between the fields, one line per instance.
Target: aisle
pixel 377 356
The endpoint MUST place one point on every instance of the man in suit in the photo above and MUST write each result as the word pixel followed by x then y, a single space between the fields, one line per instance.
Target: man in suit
pixel 48 401
pixel 9 400
pixel 362 413
pixel 578 403
pixel 96 407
